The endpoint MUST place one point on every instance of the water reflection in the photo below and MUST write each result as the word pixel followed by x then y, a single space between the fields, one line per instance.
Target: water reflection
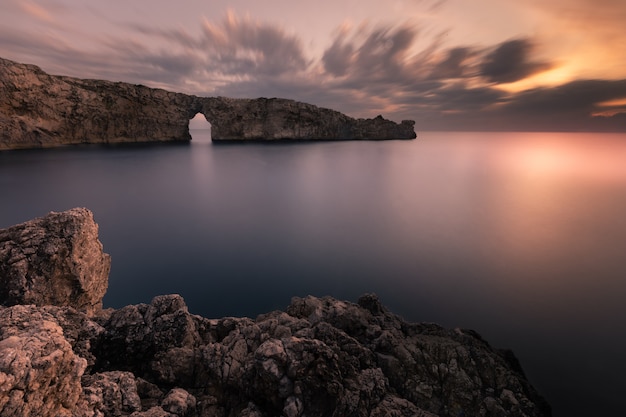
pixel 520 236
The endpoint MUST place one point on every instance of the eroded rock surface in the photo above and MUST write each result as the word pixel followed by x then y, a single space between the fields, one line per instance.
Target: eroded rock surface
pixel 40 374
pixel 54 260
pixel 319 357
pixel 265 119
pixel 42 110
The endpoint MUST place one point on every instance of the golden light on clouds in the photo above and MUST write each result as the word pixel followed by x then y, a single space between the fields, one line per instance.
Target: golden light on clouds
pixel 613 103
pixel 586 37
pixel 611 107
pixel 549 78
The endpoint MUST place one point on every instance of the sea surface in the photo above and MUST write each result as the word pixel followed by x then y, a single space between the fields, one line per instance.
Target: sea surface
pixel 520 236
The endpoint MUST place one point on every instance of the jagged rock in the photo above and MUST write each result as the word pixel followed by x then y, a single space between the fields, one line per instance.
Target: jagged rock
pixel 153 412
pixel 319 357
pixel 39 372
pixel 54 260
pixel 111 393
pixel 42 110
pixel 179 402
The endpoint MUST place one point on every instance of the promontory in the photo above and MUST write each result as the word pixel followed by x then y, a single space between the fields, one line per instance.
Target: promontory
pixel 41 110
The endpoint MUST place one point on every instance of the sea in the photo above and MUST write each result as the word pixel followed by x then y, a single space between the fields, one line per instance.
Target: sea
pixel 519 236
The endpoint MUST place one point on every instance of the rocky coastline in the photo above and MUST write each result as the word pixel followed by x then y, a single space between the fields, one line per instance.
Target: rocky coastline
pixel 61 354
pixel 38 110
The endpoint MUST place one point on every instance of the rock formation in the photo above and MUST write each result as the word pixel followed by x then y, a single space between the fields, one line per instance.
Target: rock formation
pixel 319 357
pixel 42 110
pixel 54 260
pixel 275 119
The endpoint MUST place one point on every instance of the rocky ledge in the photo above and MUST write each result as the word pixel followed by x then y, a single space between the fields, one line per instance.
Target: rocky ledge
pixel 63 356
pixel 41 110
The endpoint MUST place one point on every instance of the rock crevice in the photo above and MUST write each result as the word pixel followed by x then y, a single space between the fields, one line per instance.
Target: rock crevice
pixel 41 110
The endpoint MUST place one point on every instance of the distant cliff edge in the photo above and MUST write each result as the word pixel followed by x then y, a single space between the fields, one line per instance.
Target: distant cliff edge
pixel 41 110
pixel 62 355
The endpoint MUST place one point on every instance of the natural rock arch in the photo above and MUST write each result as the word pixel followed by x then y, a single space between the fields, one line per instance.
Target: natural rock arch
pixel 42 110
pixel 199 121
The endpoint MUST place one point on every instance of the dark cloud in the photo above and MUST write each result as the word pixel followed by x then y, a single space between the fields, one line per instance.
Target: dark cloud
pixel 569 107
pixel 238 46
pixel 576 97
pixel 462 98
pixel 511 61
pixel 385 50
pixel 244 45
pixel 337 59
pixel 378 54
pixel 572 106
pixel 454 65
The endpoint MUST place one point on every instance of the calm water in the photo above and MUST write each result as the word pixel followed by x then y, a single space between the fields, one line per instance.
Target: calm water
pixel 519 236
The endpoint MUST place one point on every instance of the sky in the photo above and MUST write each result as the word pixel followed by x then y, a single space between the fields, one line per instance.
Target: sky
pixel 540 65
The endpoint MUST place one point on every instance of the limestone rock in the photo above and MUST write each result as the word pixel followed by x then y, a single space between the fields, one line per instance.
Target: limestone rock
pixel 321 357
pixel 42 110
pixel 179 402
pixel 266 119
pixel 112 393
pixel 40 375
pixel 54 260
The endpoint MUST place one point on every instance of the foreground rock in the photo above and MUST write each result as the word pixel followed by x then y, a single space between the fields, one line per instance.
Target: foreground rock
pixel 54 260
pixel 42 110
pixel 319 357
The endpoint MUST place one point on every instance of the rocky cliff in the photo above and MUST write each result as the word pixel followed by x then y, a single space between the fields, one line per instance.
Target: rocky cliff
pixel 42 110
pixel 319 357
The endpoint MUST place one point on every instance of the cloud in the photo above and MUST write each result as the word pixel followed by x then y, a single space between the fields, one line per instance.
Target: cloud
pixel 245 45
pixel 232 50
pixel 572 106
pixel 510 61
pixel 454 65
pixel 370 54
pixel 586 36
pixel 46 13
pixel 338 58
pixel 581 97
pixel 585 12
pixel 365 70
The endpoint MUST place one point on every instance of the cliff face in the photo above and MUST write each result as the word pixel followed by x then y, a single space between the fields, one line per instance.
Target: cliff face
pixel 42 110
pixel 275 119
pixel 319 357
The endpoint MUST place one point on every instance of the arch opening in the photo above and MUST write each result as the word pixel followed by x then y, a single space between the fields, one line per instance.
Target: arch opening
pixel 200 128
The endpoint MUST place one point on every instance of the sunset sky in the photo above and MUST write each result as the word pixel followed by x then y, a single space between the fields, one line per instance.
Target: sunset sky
pixel 448 64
